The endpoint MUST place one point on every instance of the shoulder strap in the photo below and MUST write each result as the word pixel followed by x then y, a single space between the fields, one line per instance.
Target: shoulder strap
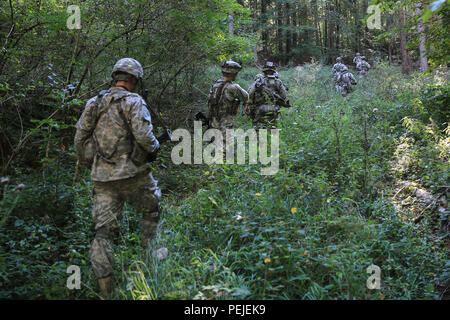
pixel 222 91
pixel 97 105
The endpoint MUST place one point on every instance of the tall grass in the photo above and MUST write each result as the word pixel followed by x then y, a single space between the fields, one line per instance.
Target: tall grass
pixel 311 230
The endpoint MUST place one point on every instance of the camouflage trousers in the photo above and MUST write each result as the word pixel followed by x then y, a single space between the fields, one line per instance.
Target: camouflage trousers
pixel 222 124
pixel 343 89
pixel 142 193
pixel 264 119
pixel 362 73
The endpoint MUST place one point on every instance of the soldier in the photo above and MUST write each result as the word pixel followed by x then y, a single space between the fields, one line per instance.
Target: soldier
pixel 362 67
pixel 357 58
pixel 266 95
pixel 345 82
pixel 120 124
pixel 337 68
pixel 225 98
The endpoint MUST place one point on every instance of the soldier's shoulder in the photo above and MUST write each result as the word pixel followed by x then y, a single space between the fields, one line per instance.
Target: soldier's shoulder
pixel 134 99
pixel 91 103
pixel 217 83
pixel 237 88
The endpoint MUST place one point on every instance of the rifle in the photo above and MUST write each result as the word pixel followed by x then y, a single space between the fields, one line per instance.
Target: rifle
pixel 279 101
pixel 165 137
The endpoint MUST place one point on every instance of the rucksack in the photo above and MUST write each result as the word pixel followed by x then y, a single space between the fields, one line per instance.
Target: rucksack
pixel 215 100
pixel 91 146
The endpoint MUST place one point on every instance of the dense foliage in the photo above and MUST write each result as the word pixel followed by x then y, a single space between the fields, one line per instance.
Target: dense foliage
pixel 308 232
pixel 363 180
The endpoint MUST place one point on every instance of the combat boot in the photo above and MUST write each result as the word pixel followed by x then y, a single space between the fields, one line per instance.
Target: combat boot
pixel 106 287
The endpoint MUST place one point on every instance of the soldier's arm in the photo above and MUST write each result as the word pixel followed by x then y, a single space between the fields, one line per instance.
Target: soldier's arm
pixel 251 94
pixel 241 94
pixel 282 90
pixel 141 125
pixel 85 125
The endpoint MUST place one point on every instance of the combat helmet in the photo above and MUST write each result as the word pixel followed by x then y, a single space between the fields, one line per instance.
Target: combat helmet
pixel 230 67
pixel 357 54
pixel 339 59
pixel 344 69
pixel 129 66
pixel 269 66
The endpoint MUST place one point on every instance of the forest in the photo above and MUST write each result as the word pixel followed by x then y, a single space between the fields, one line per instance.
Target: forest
pixel 362 181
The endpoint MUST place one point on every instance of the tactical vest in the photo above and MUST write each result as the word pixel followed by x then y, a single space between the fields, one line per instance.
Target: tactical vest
pixel 363 66
pixel 265 88
pixel 216 98
pixel 345 80
pixel 264 99
pixel 111 137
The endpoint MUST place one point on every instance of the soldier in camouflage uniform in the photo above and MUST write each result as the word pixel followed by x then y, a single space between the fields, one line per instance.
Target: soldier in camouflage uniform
pixel 120 124
pixel 357 59
pixel 225 98
pixel 345 82
pixel 337 68
pixel 362 67
pixel 263 105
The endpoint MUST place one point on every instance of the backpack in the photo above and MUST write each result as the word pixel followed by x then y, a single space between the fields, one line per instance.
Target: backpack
pixel 91 146
pixel 266 93
pixel 215 99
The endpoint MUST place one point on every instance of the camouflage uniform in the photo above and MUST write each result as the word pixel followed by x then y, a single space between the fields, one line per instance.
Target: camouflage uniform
pixel 345 82
pixel 337 68
pixel 262 104
pixel 224 99
pixel 357 59
pixel 121 126
pixel 362 67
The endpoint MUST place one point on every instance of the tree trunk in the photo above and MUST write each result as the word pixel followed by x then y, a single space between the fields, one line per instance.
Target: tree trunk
pixel 295 24
pixel 316 21
pixel 357 27
pixel 405 62
pixel 420 31
pixel 338 30
pixel 279 30
pixel 330 32
pixel 288 33
pixel 264 33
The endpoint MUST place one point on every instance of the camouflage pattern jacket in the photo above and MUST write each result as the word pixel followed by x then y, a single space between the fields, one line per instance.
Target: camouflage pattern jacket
pixel 363 65
pixel 124 128
pixel 346 80
pixel 258 96
pixel 224 99
pixel 357 59
pixel 337 68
